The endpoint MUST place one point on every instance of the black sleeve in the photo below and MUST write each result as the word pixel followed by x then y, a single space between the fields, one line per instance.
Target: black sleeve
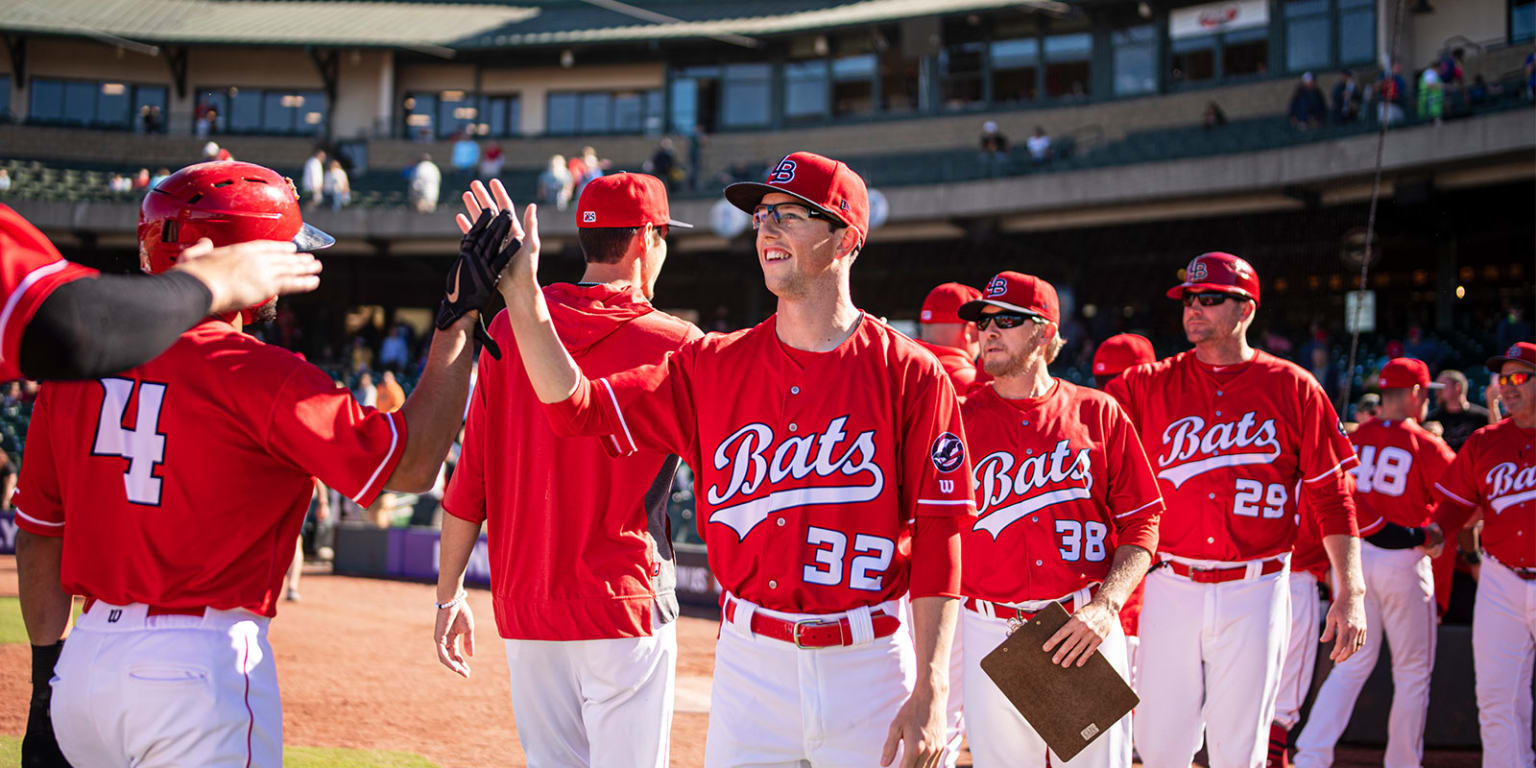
pixel 90 328
pixel 1394 536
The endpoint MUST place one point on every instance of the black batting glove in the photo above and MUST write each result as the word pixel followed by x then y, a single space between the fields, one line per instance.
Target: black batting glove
pixel 39 748
pixel 471 283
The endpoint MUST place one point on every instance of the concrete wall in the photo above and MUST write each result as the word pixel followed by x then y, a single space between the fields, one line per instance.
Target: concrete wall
pixel 1480 21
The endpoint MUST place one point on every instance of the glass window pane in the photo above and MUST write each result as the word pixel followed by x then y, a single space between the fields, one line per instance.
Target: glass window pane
pixel 419 111
pixel 1014 54
pixel 653 109
pixel 1296 8
pixel 47 100
pixel 805 88
pixel 746 95
pixel 1135 60
pixel 215 104
pixel 961 66
pixel 1357 35
pixel 1069 47
pixel 685 102
pixel 853 89
pixel 596 112
pixel 1306 43
pixel 152 96
pixel 1193 60
pixel 313 112
pixel 456 112
pixel 854 67
pixel 494 118
pixel 245 110
pixel 900 83
pixel 112 103
pixel 561 115
pixel 1522 22
pixel 1068 79
pixel 5 98
pixel 1245 53
pixel 276 117
pixel 79 103
pixel 628 111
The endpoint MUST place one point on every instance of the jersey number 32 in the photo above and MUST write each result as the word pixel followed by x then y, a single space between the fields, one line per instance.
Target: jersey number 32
pixel 143 445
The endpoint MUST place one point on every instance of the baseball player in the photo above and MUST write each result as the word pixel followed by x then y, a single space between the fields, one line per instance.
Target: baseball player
pixel 1399 464
pixel 952 340
pixel 1067 512
pixel 601 692
pixel 1230 431
pixel 831 476
pixel 1496 469
pixel 1114 356
pixel 65 321
pixel 170 494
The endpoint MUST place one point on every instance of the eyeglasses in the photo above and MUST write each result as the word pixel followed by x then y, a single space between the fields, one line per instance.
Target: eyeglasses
pixel 788 215
pixel 1514 379
pixel 1207 299
pixel 1005 320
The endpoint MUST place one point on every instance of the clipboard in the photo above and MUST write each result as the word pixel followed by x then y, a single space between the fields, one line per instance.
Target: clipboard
pixel 1068 706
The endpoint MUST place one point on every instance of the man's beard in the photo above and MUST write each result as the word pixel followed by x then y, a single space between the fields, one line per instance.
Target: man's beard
pixel 1011 365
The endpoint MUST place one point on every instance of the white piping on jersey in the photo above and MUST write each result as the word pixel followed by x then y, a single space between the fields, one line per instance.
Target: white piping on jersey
pixel 946 502
pixel 1332 470
pixel 1138 509
pixel 999 519
pixel 616 409
pixel 1463 502
pixel 36 521
pixel 394 437
pixel 21 290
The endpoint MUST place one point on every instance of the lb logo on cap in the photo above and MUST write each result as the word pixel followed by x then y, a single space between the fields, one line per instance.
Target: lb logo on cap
pixel 1196 270
pixel 589 217
pixel 784 173
pixel 1513 351
pixel 948 452
pixel 997 287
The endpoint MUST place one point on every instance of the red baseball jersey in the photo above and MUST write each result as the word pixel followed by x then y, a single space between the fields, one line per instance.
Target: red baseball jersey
pixel 1496 470
pixel 183 483
pixel 579 543
pixel 30 269
pixel 1400 462
pixel 959 365
pixel 1229 446
pixel 1060 482
pixel 811 469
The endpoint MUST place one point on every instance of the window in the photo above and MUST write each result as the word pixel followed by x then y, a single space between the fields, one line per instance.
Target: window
pixel 853 85
pixel 1194 59
pixel 275 111
pixel 900 82
pixel 1357 30
pixel 1015 70
pixel 245 110
pixel 456 113
pixel 589 112
pixel 1245 52
pixel 1135 60
pixel 596 112
pixel 960 67
pixel 420 113
pixel 1307 33
pixel 805 89
pixel 745 95
pixel 501 116
pixel 1068 67
pixel 5 98
pixel 563 113
pixel 95 104
pixel 1522 20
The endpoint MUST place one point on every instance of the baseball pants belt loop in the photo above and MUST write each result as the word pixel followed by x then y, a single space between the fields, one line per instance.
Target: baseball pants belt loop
pixel 834 630
pixel 1026 610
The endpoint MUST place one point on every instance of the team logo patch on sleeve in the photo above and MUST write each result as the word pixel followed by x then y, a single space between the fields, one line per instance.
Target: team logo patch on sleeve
pixel 947 453
pixel 784 173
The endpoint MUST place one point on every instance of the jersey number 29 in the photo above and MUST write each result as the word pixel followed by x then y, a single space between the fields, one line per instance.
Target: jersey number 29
pixel 143 445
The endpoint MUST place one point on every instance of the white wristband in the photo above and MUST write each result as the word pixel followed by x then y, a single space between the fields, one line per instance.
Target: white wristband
pixel 459 598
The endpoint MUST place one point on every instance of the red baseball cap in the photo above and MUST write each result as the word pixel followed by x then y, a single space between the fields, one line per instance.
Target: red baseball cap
pixel 944 302
pixel 1122 351
pixel 823 183
pixel 625 200
pixel 1218 272
pixel 1016 292
pixel 1405 373
pixel 1523 352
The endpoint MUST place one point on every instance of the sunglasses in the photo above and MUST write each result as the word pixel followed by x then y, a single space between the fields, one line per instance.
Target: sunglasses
pixel 1006 320
pixel 1515 379
pixel 1207 299
pixel 785 215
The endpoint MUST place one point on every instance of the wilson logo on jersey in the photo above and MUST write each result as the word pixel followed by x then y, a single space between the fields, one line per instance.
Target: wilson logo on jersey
pixel 754 457
pixel 948 452
pixel 784 173
pixel 1192 449
pixel 999 481
pixel 1509 484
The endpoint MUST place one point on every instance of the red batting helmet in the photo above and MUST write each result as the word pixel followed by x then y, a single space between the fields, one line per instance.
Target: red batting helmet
pixel 227 202
pixel 1218 272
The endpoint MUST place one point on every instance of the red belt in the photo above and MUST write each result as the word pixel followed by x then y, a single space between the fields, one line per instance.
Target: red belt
pixel 1219 575
pixel 1529 574
pixel 1001 611
pixel 813 633
pixel 158 610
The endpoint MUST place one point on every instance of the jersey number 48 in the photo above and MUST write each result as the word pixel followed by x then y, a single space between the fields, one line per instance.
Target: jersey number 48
pixel 143 445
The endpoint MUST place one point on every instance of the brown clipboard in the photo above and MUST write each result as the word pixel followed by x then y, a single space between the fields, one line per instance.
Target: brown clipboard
pixel 1068 706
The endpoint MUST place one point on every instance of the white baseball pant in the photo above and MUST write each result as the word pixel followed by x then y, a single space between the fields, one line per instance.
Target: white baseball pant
pixel 777 706
pixel 605 702
pixel 1210 661
pixel 1300 650
pixel 1503 649
pixel 1000 736
pixel 162 691
pixel 954 719
pixel 1400 605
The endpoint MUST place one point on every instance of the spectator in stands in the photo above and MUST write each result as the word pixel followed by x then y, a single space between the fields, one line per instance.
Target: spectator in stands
pixel 362 355
pixel 366 393
pixel 1214 117
pixel 491 162
pixel 426 182
pixel 1431 96
pixel 1480 92
pixel 160 175
pixel 585 168
pixel 994 147
pixel 202 120
pixel 556 184
pixel 5 181
pixel 390 394
pixel 210 151
pixel 141 179
pixel 663 164
pixel 338 188
pixel 119 184
pixel 1530 76
pixel 1320 365
pixel 312 183
pixel 1459 416
pixel 1307 108
pixel 1452 77
pixel 1420 347
pixel 1346 98
pixel 466 153
pixel 395 351
pixel 11 395
pixel 1392 95
pixel 1039 146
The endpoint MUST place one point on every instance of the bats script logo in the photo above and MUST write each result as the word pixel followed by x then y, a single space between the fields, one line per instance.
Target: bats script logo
pixel 1509 484
pixel 1193 449
pixel 947 453
pixel 1000 477
pixel 784 173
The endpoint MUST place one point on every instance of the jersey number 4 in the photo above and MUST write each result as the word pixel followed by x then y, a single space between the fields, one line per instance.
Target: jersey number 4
pixel 143 445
